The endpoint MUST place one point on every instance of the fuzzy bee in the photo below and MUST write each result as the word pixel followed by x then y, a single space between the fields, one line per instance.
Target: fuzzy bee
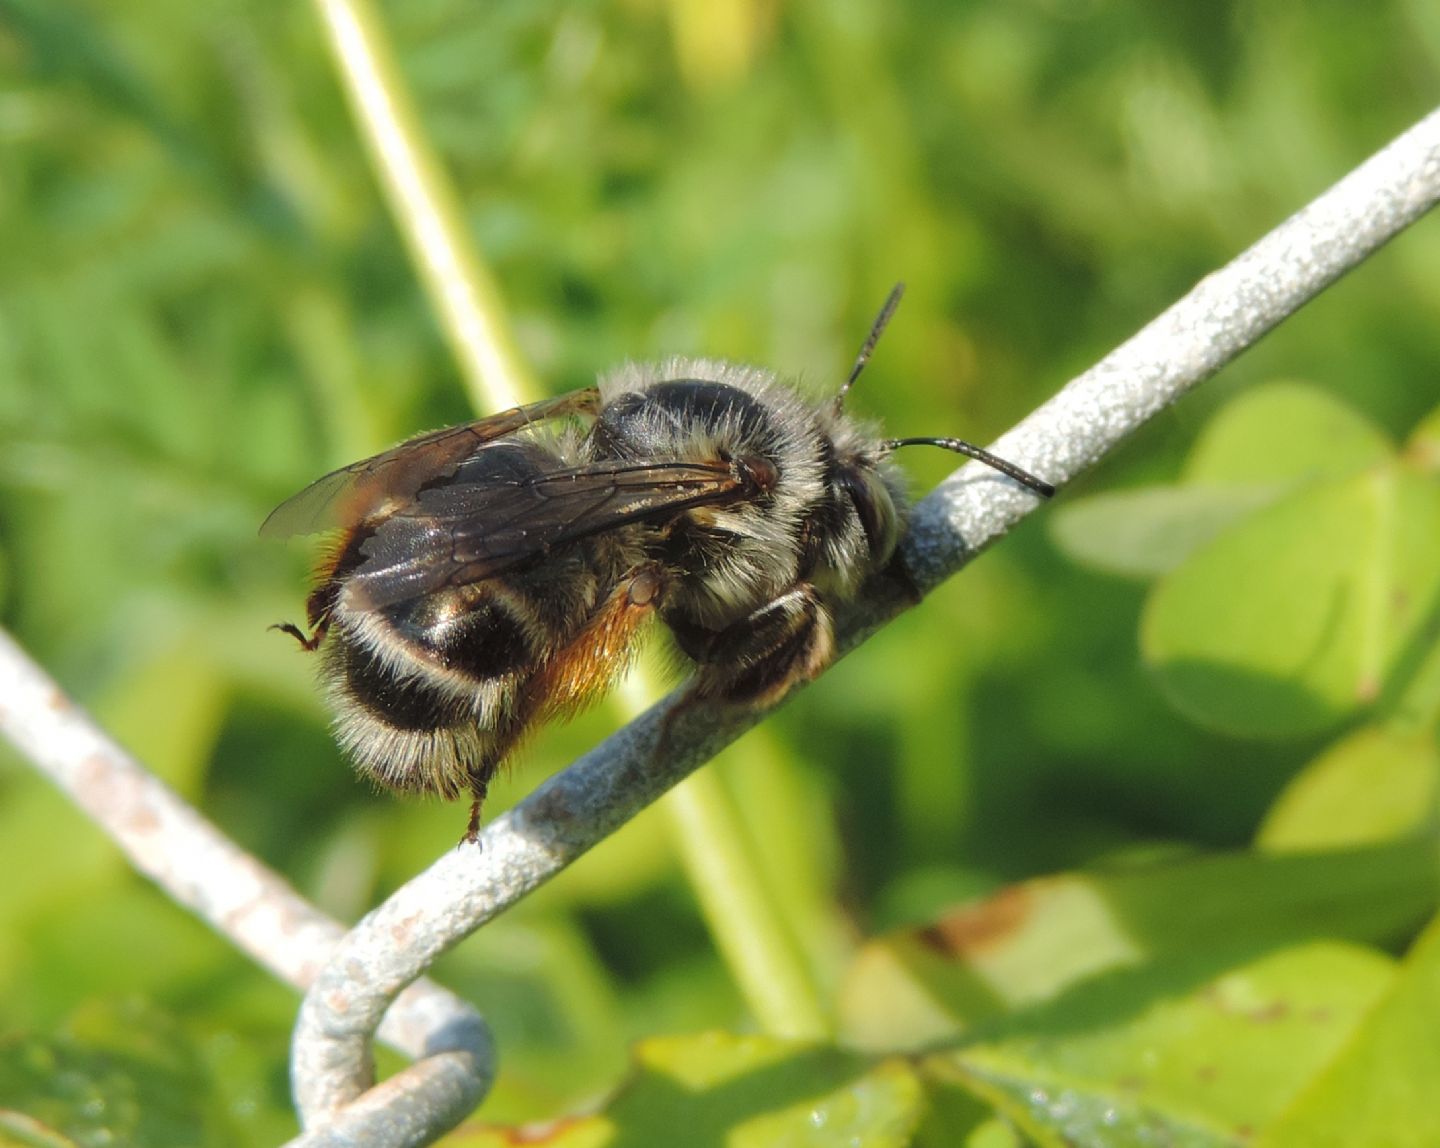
pixel 491 576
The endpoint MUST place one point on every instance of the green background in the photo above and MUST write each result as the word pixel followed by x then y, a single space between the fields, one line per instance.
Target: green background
pixel 204 304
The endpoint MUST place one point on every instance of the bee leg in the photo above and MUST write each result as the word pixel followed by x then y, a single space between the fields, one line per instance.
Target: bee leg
pixel 479 774
pixel 478 789
pixel 310 644
pixel 757 660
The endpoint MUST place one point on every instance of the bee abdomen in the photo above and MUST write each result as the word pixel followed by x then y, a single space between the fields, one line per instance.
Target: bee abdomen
pixel 403 701
pixel 427 693
pixel 489 636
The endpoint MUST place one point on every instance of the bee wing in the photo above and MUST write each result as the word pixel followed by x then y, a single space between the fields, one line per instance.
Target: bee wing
pixel 355 492
pixel 462 533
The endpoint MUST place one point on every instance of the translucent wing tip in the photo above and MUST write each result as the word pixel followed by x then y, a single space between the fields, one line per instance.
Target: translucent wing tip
pixel 312 511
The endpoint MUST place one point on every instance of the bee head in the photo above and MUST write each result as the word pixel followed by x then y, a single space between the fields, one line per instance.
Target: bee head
pixel 865 483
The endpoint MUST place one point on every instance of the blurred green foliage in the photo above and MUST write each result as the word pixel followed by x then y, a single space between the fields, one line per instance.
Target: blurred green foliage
pixel 203 304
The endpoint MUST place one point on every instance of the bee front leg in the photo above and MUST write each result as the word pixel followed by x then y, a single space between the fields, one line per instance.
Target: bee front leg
pixel 757 660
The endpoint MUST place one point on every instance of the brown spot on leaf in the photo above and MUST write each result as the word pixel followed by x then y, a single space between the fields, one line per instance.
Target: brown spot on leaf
pixel 1277 1010
pixel 981 926
pixel 540 1132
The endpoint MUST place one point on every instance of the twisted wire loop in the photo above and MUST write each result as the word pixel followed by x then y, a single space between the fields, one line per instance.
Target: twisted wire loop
pixel 194 862
pixel 1225 313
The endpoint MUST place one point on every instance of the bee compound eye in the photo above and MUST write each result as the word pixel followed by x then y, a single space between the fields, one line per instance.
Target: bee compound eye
pixel 875 509
pixel 644 588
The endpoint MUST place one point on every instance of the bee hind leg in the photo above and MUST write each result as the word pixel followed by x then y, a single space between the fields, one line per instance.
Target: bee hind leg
pixel 479 774
pixel 472 827
pixel 479 789
pixel 480 770
pixel 309 644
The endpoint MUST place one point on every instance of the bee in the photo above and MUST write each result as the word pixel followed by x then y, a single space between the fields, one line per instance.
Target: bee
pixel 489 577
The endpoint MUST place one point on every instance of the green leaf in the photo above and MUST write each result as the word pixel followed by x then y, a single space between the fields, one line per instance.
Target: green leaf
pixel 567 1132
pixel 1262 443
pixel 722 1091
pixel 1033 941
pixel 1381 1089
pixel 1292 620
pixel 1284 432
pixel 537 977
pixel 1144 533
pixel 44 833
pixel 20 1131
pixel 1374 785
pixel 167 710
pixel 1423 445
pixel 116 1076
pixel 956 1116
pixel 1159 1057
pixel 150 948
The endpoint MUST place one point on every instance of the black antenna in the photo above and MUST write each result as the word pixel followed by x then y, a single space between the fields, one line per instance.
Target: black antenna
pixel 970 450
pixel 877 328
